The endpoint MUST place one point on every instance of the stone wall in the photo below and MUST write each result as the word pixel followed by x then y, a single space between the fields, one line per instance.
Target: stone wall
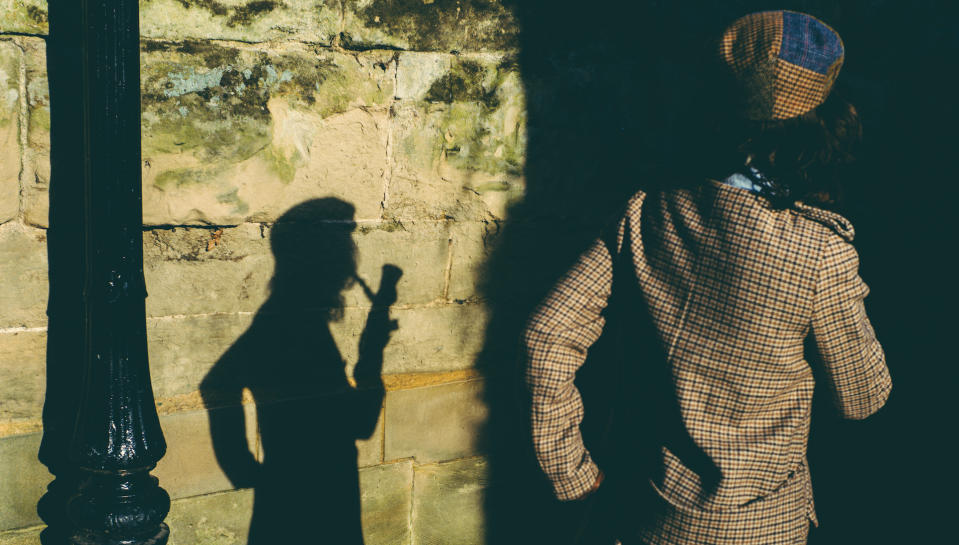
pixel 411 112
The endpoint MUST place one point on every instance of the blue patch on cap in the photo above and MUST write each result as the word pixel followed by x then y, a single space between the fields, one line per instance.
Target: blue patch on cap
pixel 809 43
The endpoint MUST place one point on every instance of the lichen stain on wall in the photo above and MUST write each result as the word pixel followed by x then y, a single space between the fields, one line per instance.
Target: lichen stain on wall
pixel 463 141
pixel 214 114
pixel 483 117
pixel 431 25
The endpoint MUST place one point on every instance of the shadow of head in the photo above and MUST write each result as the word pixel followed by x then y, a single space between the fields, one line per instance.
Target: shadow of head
pixel 315 255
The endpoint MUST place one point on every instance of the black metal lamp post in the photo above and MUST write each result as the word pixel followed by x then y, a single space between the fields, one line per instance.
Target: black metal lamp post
pixel 118 439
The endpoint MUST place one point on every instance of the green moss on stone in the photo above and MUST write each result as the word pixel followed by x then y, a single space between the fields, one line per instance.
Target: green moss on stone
pixel 442 25
pixel 467 81
pixel 492 187
pixel 478 107
pixel 37 14
pixel 213 102
pixel 231 197
pixel 40 119
pixel 9 86
pixel 180 177
pixel 26 16
pixel 386 226
pixel 284 167
pixel 235 15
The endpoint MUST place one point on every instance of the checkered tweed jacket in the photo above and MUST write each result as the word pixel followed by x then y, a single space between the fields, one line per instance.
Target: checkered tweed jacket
pixel 733 289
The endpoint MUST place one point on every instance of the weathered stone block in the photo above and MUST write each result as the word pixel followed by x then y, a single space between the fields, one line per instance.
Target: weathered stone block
pixel 433 338
pixel 434 25
pixel 23 268
pixel 473 244
pixel 23 480
pixel 529 257
pixel 448 503
pixel 184 349
pixel 215 519
pixel 233 134
pixel 27 536
pixel 435 423
pixel 11 58
pixel 442 338
pixel 26 16
pixel 224 519
pixel 420 249
pixel 370 451
pixel 35 176
pixel 190 466
pixel 22 375
pixel 201 271
pixel 242 20
pixel 416 72
pixel 385 497
pixel 459 148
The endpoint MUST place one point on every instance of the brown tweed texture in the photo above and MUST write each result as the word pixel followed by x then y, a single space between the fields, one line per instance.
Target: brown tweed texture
pixel 771 87
pixel 797 90
pixel 734 288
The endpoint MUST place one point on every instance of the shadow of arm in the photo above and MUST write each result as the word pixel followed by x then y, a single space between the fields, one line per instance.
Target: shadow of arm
pixel 369 368
pixel 222 394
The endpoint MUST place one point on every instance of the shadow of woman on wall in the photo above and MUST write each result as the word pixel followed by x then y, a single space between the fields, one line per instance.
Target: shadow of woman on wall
pixel 308 413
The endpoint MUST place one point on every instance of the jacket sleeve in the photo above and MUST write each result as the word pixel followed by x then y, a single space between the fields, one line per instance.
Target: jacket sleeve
pixel 853 360
pixel 560 331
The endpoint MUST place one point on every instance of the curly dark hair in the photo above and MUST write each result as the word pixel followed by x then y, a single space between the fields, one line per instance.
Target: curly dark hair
pixel 803 158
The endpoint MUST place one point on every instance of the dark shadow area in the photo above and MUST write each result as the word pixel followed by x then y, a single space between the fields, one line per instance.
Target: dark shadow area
pixel 612 91
pixel 65 367
pixel 308 414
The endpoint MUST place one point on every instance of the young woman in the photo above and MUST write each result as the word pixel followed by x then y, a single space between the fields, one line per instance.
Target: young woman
pixel 735 296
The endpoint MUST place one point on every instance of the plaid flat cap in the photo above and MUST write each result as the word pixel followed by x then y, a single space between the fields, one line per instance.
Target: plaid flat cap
pixel 784 62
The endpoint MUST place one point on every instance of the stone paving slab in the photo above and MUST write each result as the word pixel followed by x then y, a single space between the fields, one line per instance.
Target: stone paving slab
pixel 23 480
pixel 385 496
pixel 190 466
pixel 435 423
pixel 27 536
pixel 448 503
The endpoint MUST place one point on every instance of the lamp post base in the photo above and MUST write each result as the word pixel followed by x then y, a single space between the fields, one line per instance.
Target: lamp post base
pixel 120 509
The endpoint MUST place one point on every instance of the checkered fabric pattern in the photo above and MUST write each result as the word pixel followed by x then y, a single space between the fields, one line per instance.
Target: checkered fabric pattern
pixel 785 62
pixel 733 288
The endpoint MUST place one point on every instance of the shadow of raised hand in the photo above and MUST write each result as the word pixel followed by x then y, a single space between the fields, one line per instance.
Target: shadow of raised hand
pixel 368 372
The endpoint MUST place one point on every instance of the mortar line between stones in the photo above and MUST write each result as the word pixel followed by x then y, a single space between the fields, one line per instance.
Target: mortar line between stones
pixel 334 45
pixel 388 174
pixel 22 329
pixel 13 34
pixel 412 516
pixel 428 465
pixel 448 275
pixel 23 119
pixel 342 27
pixel 383 431
pixel 168 226
pixel 436 303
